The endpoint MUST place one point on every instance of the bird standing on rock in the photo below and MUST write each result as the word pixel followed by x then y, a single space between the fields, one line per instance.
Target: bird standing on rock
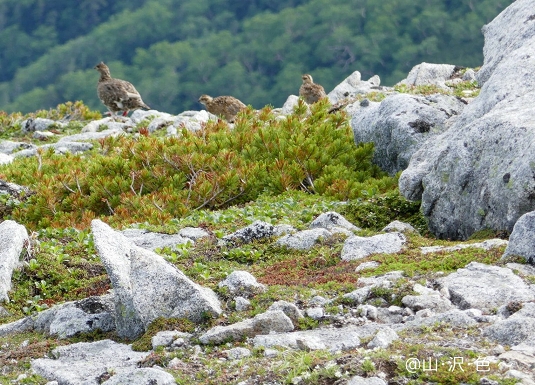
pixel 224 106
pixel 311 91
pixel 117 94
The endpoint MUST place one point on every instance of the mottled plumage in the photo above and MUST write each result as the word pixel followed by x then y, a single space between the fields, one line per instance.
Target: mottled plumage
pixel 224 106
pixel 116 94
pixel 310 91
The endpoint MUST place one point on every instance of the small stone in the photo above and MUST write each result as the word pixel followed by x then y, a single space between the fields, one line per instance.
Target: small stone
pixel 242 304
pixel 315 313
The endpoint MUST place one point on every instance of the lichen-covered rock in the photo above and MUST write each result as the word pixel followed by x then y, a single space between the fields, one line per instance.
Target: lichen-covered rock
pixel 72 318
pixel 400 124
pixel 479 173
pixel 38 124
pixel 256 230
pixel 331 220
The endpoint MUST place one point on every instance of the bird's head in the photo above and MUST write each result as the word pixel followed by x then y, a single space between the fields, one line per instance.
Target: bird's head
pixel 104 70
pixel 307 78
pixel 101 66
pixel 205 99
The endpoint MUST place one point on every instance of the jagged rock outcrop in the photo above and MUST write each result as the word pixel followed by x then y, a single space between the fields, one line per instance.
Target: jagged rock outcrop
pixel 478 174
pixel 146 286
pixel 429 74
pixel 401 123
pixel 352 86
pixel 13 239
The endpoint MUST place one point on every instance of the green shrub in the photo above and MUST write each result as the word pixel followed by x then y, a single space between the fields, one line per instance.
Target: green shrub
pixel 377 212
pixel 150 179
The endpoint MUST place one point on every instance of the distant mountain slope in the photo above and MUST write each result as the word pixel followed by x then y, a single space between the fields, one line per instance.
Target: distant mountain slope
pixel 174 51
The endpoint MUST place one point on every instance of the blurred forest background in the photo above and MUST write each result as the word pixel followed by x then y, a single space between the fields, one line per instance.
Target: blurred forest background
pixel 175 50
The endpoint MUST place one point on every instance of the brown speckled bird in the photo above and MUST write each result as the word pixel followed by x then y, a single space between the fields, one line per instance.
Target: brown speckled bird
pixel 224 106
pixel 310 91
pixel 116 94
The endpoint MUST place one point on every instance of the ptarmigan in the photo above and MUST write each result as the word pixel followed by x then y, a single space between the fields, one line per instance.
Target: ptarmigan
pixel 117 94
pixel 310 91
pixel 225 106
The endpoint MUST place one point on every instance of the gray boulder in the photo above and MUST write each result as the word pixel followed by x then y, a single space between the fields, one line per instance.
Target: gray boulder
pixel 485 287
pixel 478 174
pixel 9 147
pixel 5 159
pixel 38 124
pixel 242 283
pixel 486 245
pixel 303 240
pixel 255 231
pixel 522 239
pixel 18 326
pixel 85 363
pixel 62 147
pixel 400 124
pixel 429 74
pixel 289 105
pixel 332 339
pixel 189 120
pixel 518 328
pixel 16 191
pixel 152 241
pixel 331 220
pixel 13 239
pixel 273 321
pixel 142 376
pixel 72 318
pixel 360 247
pixel 146 286
pixel 434 302
pixel 383 338
pixel 289 309
pixel 399 226
pixel 352 86
pixel 86 136
pixel 237 353
pixel 168 337
pixel 455 318
pixel 193 233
